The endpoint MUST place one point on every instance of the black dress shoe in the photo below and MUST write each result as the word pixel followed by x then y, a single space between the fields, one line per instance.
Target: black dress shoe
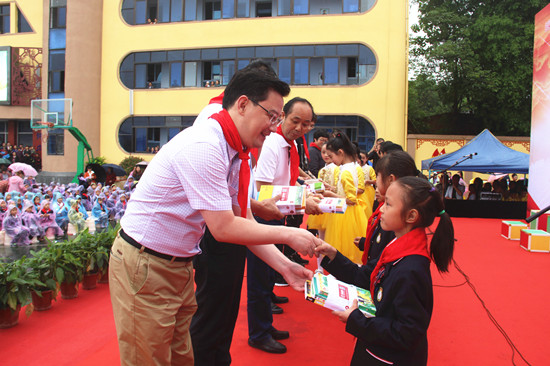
pixel 278 299
pixel 279 334
pixel 269 345
pixel 276 309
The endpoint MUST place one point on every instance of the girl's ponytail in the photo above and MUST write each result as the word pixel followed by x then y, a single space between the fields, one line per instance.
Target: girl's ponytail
pixel 421 196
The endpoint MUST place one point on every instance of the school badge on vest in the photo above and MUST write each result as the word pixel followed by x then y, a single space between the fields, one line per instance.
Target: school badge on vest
pixel 379 295
pixel 378 238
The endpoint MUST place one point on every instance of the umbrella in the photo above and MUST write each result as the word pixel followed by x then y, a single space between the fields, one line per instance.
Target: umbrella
pixel 26 168
pixel 100 174
pixel 117 169
pixel 5 161
pixel 142 163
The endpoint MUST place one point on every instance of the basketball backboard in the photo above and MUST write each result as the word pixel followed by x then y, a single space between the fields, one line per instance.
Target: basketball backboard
pixel 51 113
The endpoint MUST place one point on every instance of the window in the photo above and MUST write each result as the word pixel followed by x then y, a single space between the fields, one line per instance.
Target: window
pixel 301 7
pixel 24 133
pixel 243 8
pixel 329 64
pixel 56 141
pixel 4 19
pixel 263 9
pixel 23 25
pixel 301 70
pixel 56 72
pixel 212 9
pixel 175 74
pixel 3 131
pixel 58 17
pixel 350 6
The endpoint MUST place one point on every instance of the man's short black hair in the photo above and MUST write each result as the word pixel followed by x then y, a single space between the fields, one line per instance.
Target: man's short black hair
pixel 388 146
pixel 320 133
pixel 255 84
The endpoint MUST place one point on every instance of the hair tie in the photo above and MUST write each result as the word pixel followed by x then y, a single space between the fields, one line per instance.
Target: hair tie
pixel 441 213
pixel 432 189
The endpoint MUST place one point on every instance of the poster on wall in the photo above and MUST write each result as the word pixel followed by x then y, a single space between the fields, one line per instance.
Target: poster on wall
pixel 539 163
pixel 5 92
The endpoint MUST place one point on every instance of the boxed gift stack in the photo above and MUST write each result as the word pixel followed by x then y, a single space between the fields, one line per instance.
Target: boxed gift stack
pixel 511 229
pixel 293 198
pixel 333 205
pixel 535 240
pixel 327 291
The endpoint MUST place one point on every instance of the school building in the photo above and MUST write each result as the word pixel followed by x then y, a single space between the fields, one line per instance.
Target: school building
pixel 139 71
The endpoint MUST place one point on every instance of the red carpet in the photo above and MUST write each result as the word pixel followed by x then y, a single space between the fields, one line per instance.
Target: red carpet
pixel 513 284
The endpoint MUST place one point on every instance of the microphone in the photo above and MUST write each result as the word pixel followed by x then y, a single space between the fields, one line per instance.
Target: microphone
pixel 469 155
pixel 535 215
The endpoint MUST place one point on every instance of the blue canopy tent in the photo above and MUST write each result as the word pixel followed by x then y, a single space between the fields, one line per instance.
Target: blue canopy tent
pixel 483 154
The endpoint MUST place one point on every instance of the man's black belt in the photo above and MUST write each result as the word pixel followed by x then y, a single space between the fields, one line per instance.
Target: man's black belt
pixel 137 245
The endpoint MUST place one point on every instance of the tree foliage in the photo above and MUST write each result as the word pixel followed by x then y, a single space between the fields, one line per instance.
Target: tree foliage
pixel 478 55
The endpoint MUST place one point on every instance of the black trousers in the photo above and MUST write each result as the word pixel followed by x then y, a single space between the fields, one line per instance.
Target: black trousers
pixel 219 272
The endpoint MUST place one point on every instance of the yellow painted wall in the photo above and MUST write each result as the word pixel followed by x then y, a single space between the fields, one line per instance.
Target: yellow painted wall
pixel 33 12
pixel 382 101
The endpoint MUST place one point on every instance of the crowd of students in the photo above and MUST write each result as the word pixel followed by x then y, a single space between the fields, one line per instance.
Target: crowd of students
pixel 21 154
pixel 47 210
pixel 503 188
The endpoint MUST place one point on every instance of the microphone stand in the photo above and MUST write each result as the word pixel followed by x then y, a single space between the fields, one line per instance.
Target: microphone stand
pixel 536 215
pixel 464 158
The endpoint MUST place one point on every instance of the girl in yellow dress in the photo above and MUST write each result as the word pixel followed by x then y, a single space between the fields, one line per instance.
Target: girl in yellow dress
pixel 326 175
pixel 342 229
pixel 370 181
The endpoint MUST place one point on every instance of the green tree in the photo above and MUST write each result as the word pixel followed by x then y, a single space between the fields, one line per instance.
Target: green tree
pixel 479 54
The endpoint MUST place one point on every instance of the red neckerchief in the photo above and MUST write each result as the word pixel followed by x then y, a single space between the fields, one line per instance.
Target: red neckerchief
pixel 315 146
pixel 294 158
pixel 414 242
pixel 46 212
pixel 374 219
pixel 233 139
pixel 306 151
pixel 217 100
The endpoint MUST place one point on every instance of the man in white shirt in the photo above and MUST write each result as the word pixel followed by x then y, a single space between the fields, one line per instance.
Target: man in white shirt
pixel 195 179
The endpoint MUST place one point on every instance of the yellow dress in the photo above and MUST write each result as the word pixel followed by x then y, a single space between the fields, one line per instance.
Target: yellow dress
pixel 341 229
pixel 326 175
pixel 369 194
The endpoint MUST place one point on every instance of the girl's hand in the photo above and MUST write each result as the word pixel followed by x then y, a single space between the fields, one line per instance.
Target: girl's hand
pixel 344 315
pixel 327 250
pixel 350 203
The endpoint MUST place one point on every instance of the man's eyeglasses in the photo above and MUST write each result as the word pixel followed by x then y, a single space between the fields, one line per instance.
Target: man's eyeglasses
pixel 274 119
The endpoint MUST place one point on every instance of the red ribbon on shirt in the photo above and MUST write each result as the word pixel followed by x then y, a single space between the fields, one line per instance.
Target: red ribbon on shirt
pixel 374 219
pixel 414 242
pixel 294 158
pixel 306 151
pixel 315 146
pixel 217 100
pixel 233 139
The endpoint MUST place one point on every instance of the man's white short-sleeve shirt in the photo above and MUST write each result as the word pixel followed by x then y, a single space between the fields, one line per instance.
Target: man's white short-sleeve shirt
pixel 274 161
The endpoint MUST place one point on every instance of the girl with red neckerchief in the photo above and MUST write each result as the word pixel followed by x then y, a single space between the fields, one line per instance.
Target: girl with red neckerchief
pixel 401 282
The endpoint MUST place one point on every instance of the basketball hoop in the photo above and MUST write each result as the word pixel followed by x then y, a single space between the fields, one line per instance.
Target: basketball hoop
pixel 45 130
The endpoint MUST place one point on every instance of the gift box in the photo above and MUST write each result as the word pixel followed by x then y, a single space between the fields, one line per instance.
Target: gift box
pixel 535 240
pixel 333 205
pixel 512 229
pixel 327 291
pixel 541 222
pixel 292 201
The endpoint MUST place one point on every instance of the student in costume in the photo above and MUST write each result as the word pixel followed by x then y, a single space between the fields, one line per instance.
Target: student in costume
pixel 61 210
pixel 76 217
pixel 13 226
pixel 100 212
pixel 401 282
pixel 341 229
pixel 47 219
pixel 32 222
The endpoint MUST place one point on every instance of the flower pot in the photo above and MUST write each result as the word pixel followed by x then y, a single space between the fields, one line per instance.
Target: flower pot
pixel 44 302
pixel 89 282
pixel 104 277
pixel 69 290
pixel 9 318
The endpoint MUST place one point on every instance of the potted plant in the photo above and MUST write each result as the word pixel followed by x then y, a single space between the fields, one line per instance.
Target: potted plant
pixel 69 268
pixel 94 257
pixel 43 264
pixel 105 240
pixel 15 284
